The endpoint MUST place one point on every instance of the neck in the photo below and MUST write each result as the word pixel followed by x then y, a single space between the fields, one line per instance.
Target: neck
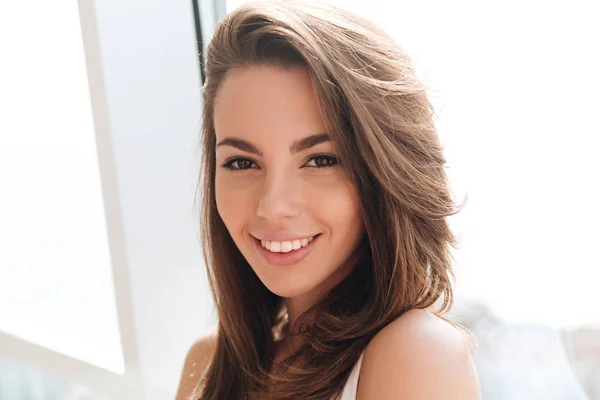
pixel 296 306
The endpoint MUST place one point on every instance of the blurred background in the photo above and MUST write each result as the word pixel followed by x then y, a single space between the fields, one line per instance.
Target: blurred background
pixel 102 283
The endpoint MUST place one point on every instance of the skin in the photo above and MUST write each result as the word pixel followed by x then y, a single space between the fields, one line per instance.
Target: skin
pixel 418 356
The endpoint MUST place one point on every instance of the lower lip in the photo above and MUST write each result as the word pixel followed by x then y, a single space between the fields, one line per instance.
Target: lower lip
pixel 284 259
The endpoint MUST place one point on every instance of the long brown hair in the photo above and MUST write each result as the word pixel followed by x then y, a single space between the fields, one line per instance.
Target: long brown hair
pixel 381 122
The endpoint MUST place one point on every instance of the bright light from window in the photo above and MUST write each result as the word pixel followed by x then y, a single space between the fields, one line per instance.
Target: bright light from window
pixel 56 285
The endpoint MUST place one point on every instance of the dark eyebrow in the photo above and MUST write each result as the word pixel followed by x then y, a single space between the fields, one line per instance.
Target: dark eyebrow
pixel 308 142
pixel 296 147
pixel 240 144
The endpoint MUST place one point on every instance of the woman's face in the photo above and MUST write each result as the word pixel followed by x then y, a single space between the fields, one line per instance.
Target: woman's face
pixel 280 188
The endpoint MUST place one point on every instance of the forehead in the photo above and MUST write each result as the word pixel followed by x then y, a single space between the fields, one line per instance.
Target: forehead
pixel 261 101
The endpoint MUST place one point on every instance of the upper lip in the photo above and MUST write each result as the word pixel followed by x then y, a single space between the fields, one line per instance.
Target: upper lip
pixel 283 237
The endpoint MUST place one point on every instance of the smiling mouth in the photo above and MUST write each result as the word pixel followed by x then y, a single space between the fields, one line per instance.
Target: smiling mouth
pixel 286 246
pixel 285 253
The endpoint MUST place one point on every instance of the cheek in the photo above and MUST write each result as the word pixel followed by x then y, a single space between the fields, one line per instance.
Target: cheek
pixel 231 204
pixel 338 207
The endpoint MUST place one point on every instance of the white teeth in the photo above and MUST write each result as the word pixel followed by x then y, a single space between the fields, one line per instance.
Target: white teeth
pixel 275 247
pixel 285 246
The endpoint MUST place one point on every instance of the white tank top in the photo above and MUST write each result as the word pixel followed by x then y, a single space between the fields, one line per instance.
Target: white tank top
pixel 349 391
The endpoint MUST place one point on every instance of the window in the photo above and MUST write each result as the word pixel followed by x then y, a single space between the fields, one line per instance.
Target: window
pixel 99 257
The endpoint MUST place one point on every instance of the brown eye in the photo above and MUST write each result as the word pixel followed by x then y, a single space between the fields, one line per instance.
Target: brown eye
pixel 243 164
pixel 237 164
pixel 322 161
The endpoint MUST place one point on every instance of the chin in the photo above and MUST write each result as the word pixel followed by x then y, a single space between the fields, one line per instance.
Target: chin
pixel 286 287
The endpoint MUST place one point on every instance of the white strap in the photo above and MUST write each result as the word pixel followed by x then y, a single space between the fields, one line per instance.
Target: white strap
pixel 351 386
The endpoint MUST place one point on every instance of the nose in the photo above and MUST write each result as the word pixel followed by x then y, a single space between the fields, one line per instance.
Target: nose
pixel 278 198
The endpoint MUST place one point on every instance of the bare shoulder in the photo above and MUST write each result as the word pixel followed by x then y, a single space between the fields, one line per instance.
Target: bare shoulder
pixel 419 356
pixel 196 361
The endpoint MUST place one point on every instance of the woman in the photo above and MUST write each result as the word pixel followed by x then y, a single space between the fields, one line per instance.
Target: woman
pixel 324 217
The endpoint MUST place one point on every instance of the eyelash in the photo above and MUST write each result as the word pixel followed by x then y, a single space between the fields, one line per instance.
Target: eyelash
pixel 330 158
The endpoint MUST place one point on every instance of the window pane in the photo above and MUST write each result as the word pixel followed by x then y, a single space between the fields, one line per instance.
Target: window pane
pixel 56 282
pixel 22 381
